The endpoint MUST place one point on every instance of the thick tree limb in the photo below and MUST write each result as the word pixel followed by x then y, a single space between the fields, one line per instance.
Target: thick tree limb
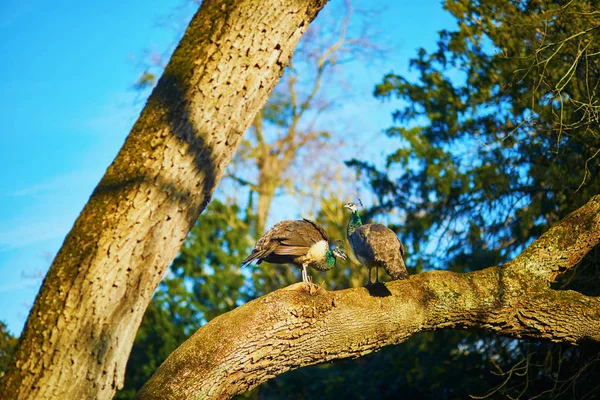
pixel 289 328
pixel 564 245
pixel 80 331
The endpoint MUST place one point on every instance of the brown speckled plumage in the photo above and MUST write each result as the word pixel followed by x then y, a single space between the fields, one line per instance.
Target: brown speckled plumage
pixel 303 243
pixel 376 245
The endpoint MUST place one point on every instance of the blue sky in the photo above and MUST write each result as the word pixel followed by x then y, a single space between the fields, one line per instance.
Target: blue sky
pixel 66 104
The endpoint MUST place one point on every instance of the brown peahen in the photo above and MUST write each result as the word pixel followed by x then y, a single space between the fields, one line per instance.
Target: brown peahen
pixel 303 243
pixel 375 245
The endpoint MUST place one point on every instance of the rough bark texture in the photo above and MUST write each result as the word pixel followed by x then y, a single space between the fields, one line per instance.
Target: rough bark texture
pixel 289 328
pixel 80 331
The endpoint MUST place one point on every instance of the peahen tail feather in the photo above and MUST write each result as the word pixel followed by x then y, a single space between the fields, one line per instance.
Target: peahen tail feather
pixel 257 257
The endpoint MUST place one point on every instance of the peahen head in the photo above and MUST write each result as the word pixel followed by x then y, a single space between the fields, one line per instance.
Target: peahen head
pixel 337 252
pixel 332 255
pixel 352 207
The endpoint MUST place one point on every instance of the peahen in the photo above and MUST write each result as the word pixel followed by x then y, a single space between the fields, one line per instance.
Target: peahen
pixel 375 245
pixel 303 243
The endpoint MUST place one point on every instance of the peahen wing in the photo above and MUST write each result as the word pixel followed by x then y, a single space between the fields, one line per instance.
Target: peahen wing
pixel 285 241
pixel 387 250
pixel 301 233
pixel 299 236
pixel 360 243
pixel 295 238
pixel 266 245
pixel 318 233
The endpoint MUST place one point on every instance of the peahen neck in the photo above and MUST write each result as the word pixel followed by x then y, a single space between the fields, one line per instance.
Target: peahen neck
pixel 329 259
pixel 354 223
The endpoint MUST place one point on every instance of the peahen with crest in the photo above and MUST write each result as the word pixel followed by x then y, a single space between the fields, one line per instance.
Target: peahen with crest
pixel 375 245
pixel 303 243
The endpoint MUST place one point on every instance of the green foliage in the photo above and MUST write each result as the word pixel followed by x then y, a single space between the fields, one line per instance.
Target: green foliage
pixel 497 140
pixel 206 280
pixel 7 347
pixel 499 135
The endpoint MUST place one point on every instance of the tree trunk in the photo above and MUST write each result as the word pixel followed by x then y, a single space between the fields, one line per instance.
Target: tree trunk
pixel 290 328
pixel 265 189
pixel 80 331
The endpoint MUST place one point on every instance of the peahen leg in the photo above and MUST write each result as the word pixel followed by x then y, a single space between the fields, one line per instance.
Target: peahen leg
pixel 304 276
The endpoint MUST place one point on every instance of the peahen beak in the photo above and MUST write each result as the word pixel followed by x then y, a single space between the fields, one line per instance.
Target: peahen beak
pixel 340 254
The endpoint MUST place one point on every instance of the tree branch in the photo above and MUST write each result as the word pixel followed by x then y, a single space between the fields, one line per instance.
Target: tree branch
pixel 242 181
pixel 289 328
pixel 563 245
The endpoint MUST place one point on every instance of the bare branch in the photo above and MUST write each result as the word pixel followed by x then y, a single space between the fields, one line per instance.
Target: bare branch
pixel 241 181
pixel 326 59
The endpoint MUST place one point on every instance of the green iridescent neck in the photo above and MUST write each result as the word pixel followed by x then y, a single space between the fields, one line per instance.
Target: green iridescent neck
pixel 329 258
pixel 354 223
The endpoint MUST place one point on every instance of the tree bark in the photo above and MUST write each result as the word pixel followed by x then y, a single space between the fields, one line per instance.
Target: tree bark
pixel 80 331
pixel 290 328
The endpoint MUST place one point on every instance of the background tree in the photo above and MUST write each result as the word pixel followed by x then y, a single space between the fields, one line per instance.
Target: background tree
pixel 7 347
pixel 498 139
pixel 277 156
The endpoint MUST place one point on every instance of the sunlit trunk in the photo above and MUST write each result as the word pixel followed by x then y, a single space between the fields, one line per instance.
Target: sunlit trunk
pixel 80 331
